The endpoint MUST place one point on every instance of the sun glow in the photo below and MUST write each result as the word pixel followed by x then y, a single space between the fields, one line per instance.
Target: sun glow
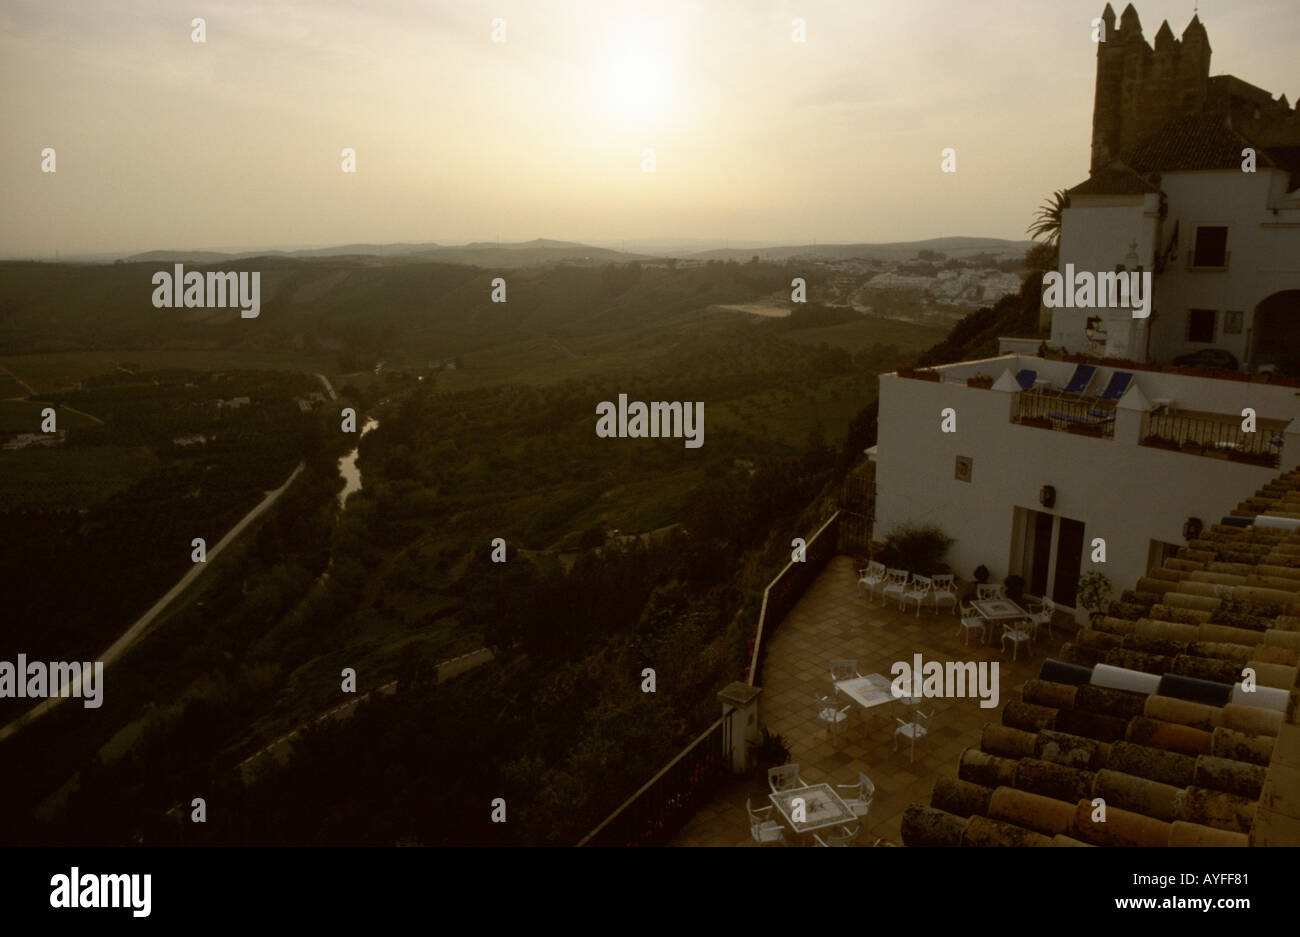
pixel 633 78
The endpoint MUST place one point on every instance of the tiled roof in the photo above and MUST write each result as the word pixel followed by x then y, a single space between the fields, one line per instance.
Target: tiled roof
pixel 1115 179
pixel 1145 710
pixel 1191 142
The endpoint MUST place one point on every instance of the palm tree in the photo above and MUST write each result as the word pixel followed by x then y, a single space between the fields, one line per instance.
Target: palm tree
pixel 1047 222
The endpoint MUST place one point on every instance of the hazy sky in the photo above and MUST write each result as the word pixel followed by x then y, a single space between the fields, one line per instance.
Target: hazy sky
pixel 165 143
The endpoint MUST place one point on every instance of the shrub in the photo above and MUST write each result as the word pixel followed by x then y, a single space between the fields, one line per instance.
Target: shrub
pixel 917 549
pixel 1093 593
pixel 1015 587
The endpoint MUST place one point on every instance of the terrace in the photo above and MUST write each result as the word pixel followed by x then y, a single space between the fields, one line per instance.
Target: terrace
pixel 834 620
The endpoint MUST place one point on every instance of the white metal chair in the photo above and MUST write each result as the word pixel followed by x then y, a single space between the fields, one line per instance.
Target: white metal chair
pixel 828 714
pixel 912 731
pixel 785 778
pixel 845 836
pixel 970 621
pixel 762 829
pixel 859 801
pixel 944 591
pixel 985 591
pixel 844 670
pixel 1017 633
pixel 1041 613
pixel 872 577
pixel 916 592
pixel 895 585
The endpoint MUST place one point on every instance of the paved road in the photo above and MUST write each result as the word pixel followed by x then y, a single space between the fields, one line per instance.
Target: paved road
pixel 281 749
pixel 133 634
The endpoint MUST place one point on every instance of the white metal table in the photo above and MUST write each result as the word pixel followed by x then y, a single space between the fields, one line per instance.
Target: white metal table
pixel 998 610
pixel 822 808
pixel 869 691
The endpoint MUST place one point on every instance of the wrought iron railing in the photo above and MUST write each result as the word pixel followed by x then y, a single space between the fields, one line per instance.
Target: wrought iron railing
pixel 783 591
pixel 1086 416
pixel 1215 437
pixel 654 814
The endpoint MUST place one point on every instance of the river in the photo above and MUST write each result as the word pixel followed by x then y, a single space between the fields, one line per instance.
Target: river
pixel 348 467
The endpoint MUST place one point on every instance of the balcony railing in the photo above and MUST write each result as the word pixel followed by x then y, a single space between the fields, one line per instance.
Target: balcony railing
pixel 654 814
pixel 1215 437
pixel 1083 416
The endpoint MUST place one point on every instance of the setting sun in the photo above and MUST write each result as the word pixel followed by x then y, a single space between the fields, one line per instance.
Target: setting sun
pixel 633 77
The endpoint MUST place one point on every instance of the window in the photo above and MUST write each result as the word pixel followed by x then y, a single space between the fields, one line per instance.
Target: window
pixel 1160 553
pixel 1211 247
pixel 1232 323
pixel 1200 325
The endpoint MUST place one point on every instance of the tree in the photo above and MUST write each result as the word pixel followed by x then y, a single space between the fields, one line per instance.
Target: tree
pixel 1047 221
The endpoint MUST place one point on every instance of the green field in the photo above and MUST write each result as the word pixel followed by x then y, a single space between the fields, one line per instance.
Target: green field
pixel 24 416
pixel 56 370
pixel 857 336
pixel 70 477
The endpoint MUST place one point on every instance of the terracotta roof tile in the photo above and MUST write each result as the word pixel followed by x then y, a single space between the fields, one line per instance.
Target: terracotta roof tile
pixel 1146 710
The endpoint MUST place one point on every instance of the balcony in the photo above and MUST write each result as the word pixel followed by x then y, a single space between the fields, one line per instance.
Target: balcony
pixel 1216 436
pixel 1083 416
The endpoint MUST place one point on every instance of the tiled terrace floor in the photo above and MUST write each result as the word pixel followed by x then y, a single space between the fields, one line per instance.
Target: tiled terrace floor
pixel 834 620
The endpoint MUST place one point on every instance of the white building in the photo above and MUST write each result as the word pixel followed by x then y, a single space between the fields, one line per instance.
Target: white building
pixel 983 484
pixel 1195 179
pixel 1223 246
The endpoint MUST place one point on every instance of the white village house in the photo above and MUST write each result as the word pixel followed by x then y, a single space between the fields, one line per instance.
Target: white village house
pixel 1058 455
pixel 1197 180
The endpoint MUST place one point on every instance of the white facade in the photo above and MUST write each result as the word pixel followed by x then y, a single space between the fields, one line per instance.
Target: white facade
pixel 1134 497
pixel 1263 257
pixel 1099 232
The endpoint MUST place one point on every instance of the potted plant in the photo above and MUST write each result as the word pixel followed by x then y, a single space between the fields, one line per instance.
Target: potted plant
pixel 1093 594
pixel 770 751
pixel 980 380
pixel 926 374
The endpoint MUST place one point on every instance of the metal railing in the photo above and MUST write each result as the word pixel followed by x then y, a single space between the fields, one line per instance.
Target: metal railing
pixel 1086 416
pixel 783 591
pixel 654 814
pixel 1217 438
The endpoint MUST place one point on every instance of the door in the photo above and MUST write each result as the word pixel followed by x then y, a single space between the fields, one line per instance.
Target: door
pixel 1069 555
pixel 1041 557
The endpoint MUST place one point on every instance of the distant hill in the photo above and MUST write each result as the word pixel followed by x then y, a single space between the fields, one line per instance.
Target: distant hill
pixel 546 251
pixel 895 250
pixel 479 254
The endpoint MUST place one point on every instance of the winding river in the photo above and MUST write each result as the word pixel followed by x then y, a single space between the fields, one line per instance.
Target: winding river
pixel 348 467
